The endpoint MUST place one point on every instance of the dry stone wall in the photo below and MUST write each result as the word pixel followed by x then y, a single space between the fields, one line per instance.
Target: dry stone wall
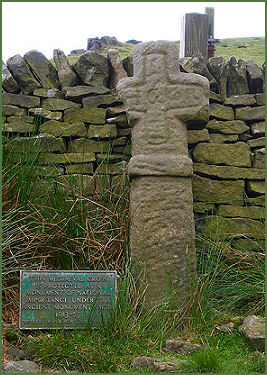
pixel 73 117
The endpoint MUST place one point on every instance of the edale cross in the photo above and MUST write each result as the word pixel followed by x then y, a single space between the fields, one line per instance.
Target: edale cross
pixel 161 104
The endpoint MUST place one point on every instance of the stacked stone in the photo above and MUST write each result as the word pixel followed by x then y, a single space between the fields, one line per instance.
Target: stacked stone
pixel 69 115
pixel 229 168
pixel 229 154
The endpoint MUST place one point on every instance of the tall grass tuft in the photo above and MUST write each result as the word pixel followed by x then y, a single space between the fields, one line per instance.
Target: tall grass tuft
pixel 47 225
pixel 224 287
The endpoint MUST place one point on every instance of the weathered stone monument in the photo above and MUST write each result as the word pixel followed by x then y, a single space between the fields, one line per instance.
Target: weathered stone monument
pixel 161 102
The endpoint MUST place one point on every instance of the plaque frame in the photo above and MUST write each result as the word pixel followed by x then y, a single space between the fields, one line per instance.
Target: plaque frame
pixel 39 272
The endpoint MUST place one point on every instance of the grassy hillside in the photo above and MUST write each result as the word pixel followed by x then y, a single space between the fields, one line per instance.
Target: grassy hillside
pixel 242 48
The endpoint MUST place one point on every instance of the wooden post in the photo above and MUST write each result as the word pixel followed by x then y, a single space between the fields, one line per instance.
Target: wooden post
pixel 194 35
pixel 210 13
pixel 211 48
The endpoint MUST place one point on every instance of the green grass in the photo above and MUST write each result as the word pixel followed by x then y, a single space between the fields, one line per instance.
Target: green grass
pixel 255 49
pixel 138 331
pixel 112 348
pixel 225 278
pixel 225 353
pixel 44 227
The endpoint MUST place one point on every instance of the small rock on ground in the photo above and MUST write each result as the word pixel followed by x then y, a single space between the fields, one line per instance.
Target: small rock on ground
pixel 169 366
pixel 227 328
pixel 15 353
pixel 21 366
pixel 253 328
pixel 143 362
pixel 181 347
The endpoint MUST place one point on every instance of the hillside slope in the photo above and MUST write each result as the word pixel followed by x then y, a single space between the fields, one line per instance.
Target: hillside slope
pixel 242 48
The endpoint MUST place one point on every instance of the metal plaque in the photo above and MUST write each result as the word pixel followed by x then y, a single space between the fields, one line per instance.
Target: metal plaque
pixel 66 299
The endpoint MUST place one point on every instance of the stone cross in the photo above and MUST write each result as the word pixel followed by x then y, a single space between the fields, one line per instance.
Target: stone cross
pixel 160 100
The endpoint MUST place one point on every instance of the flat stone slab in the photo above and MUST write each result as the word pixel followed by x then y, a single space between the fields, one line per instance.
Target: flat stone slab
pixel 40 143
pixel 248 245
pixel 49 115
pixel 120 120
pixel 69 158
pixel 252 212
pixel 53 104
pixel 157 365
pixel 250 113
pixel 240 100
pixel 21 119
pixel 212 191
pixel 144 362
pixel 226 328
pixel 76 93
pixel 225 172
pixel 237 154
pixel 11 110
pixel 230 228
pixel 66 299
pixel 21 366
pixel 25 101
pixel 181 347
pixel 258 142
pixel 221 112
pixel 90 145
pixel 203 208
pixel 113 169
pixel 196 136
pixel 223 138
pixel 63 129
pixel 227 127
pixel 86 168
pixel 102 131
pixel 49 171
pixel 48 93
pixel 103 100
pixel 93 69
pixel 87 115
pixel 18 128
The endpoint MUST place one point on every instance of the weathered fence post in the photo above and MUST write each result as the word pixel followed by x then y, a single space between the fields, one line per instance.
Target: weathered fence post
pixel 210 12
pixel 160 100
pixel 194 35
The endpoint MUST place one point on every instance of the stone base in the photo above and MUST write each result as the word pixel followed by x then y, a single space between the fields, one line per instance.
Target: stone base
pixel 162 236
